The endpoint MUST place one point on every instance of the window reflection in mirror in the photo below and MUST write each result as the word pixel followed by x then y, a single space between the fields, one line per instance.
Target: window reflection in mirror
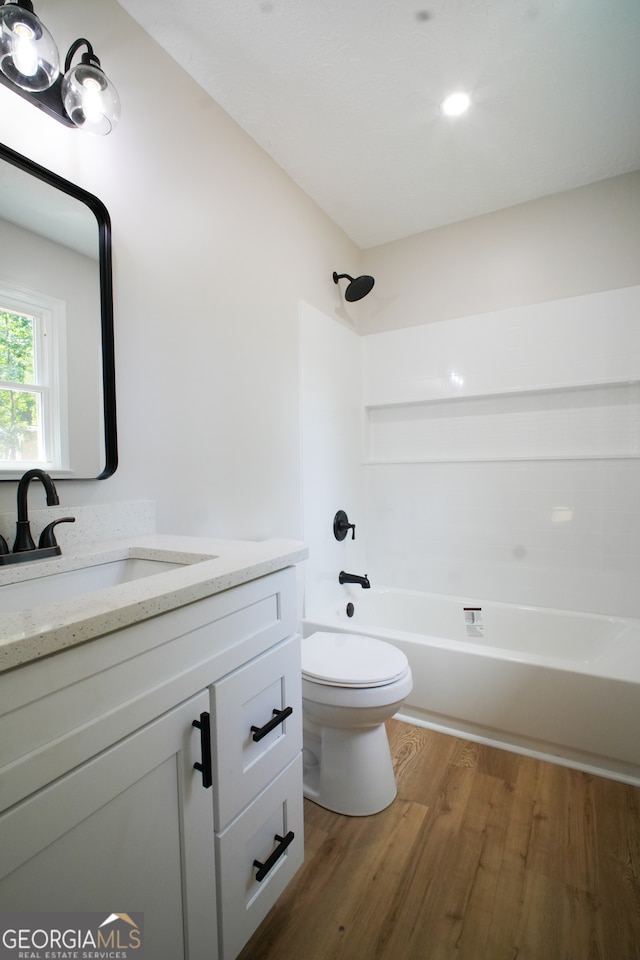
pixel 33 382
pixel 57 381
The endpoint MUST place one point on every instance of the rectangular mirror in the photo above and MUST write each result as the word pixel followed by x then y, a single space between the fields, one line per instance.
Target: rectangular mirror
pixel 57 371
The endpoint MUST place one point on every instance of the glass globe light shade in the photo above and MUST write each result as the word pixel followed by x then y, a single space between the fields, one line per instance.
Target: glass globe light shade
pixel 28 53
pixel 90 99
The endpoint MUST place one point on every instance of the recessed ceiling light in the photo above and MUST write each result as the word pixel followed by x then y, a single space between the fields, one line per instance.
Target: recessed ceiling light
pixel 455 104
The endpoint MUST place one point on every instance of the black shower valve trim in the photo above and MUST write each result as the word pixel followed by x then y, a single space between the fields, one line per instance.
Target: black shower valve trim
pixel 341 526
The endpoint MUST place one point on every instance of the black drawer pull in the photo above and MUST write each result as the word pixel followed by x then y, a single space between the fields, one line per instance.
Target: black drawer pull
pixel 263 868
pixel 278 717
pixel 204 727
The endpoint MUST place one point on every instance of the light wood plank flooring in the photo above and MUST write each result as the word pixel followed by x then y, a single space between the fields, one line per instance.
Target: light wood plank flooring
pixel 484 855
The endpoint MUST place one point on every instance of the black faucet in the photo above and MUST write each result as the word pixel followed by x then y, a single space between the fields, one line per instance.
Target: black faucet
pixel 353 578
pixel 24 540
pixel 24 548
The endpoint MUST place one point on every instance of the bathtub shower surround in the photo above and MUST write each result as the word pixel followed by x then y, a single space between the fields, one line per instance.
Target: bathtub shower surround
pixel 502 454
pixel 560 685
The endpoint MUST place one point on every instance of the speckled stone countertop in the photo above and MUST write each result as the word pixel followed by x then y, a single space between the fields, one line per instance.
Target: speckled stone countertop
pixel 210 566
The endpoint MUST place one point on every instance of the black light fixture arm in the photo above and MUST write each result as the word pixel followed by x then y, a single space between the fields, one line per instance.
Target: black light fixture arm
pixel 89 57
pixel 24 4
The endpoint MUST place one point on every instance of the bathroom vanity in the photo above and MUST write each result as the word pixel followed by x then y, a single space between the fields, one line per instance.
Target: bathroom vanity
pixel 150 740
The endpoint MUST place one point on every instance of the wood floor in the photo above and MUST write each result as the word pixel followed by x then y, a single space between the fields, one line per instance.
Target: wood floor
pixel 484 855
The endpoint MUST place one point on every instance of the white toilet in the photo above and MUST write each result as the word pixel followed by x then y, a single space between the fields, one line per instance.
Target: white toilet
pixel 350 686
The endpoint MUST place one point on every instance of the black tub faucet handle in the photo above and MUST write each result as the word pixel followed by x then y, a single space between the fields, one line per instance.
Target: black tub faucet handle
pixel 341 526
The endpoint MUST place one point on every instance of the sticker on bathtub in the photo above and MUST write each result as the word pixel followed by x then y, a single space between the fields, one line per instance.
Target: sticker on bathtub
pixel 473 622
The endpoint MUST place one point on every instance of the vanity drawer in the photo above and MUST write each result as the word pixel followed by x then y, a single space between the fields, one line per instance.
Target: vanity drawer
pixel 258 728
pixel 261 833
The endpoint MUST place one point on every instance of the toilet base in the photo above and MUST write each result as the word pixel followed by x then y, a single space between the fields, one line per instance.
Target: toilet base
pixel 348 771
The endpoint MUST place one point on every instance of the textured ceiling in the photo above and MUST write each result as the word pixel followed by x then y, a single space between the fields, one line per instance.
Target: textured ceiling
pixel 344 95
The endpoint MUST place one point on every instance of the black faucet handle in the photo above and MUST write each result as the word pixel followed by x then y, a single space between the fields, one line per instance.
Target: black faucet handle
pixel 47 537
pixel 341 526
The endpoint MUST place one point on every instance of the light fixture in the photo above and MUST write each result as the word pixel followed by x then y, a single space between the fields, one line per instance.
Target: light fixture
pixel 28 53
pixel 89 97
pixel 456 104
pixel 30 66
pixel 357 288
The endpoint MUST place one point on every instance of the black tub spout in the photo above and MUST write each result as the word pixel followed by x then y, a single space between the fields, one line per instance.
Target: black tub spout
pixel 353 578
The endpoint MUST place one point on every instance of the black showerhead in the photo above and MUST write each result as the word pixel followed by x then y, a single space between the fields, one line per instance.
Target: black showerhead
pixel 358 287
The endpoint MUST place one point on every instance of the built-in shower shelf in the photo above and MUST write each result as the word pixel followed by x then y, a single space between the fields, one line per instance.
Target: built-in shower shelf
pixel 591 421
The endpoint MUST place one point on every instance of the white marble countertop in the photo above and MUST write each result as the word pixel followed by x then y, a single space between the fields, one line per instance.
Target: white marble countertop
pixel 39 631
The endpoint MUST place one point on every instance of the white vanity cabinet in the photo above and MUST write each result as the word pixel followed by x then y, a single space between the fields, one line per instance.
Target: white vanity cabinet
pixel 102 808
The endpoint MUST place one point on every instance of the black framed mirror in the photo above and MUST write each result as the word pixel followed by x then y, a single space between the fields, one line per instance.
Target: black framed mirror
pixel 57 360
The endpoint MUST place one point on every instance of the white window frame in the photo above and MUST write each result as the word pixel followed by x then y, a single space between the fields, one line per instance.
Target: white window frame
pixel 50 348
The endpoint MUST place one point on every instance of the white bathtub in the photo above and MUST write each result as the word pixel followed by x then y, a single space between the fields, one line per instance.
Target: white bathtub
pixel 556 684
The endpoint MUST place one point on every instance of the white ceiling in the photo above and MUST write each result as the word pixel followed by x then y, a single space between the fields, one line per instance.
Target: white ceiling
pixel 344 95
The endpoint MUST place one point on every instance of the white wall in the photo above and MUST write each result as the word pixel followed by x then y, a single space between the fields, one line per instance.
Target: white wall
pixel 214 247
pixel 577 242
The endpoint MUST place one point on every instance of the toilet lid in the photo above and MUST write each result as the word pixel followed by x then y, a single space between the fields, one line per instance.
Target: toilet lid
pixel 349 660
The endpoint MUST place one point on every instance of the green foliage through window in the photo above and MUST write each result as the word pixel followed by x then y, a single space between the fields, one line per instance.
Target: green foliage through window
pixel 18 406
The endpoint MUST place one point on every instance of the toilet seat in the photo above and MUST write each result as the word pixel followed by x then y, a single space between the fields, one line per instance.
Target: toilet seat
pixel 351 660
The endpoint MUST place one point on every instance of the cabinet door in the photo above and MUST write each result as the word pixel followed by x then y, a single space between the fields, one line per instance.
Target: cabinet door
pixel 265 693
pixel 131 830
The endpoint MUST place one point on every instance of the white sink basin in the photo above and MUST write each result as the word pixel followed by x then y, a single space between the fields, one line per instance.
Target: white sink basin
pixel 52 586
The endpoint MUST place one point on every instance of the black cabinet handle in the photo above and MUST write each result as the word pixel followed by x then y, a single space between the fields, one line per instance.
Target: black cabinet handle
pixel 264 868
pixel 278 717
pixel 204 726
